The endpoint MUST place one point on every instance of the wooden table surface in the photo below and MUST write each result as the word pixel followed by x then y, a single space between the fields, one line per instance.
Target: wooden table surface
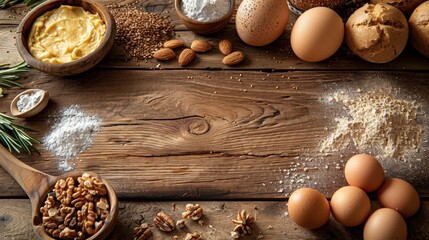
pixel 229 138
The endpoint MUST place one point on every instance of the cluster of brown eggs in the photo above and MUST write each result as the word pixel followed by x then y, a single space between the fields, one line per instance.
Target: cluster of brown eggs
pixel 351 206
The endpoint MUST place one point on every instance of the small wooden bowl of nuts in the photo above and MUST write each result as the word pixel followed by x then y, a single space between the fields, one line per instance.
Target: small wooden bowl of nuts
pixel 77 41
pixel 205 21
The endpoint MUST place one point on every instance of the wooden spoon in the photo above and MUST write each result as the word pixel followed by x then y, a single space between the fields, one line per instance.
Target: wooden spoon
pixel 37 185
pixel 38 107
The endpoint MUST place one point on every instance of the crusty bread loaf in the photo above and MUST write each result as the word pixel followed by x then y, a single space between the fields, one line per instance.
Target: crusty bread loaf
pixel 419 29
pixel 406 6
pixel 377 32
pixel 304 5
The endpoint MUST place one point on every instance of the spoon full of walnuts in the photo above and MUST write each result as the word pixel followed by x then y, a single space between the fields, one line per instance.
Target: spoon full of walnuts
pixel 77 205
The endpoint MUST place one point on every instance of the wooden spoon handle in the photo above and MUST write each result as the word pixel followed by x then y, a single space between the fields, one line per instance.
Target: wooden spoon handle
pixel 31 180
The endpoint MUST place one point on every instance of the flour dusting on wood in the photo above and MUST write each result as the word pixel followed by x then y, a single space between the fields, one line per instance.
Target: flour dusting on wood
pixel 71 135
pixel 375 121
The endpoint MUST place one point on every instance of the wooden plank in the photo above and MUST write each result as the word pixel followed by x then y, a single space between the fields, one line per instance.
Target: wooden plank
pixel 272 221
pixel 276 56
pixel 214 134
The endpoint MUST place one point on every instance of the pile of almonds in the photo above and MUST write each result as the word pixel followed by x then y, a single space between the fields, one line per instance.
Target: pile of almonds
pixel 197 46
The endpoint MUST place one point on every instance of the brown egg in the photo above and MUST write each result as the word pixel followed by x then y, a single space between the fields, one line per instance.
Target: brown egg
pixel 365 172
pixel 317 34
pixel 385 223
pixel 308 208
pixel 399 195
pixel 261 22
pixel 350 206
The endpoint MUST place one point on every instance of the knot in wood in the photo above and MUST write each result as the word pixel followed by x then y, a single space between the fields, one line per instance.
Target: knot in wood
pixel 198 127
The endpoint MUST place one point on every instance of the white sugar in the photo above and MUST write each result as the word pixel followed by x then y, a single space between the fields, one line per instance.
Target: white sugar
pixel 71 135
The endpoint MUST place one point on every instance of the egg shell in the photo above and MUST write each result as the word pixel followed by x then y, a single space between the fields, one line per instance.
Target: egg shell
pixel 350 206
pixel 385 223
pixel 365 172
pixel 308 208
pixel 399 195
pixel 317 34
pixel 261 22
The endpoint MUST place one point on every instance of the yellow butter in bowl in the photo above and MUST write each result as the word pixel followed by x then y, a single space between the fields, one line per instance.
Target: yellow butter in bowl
pixel 65 34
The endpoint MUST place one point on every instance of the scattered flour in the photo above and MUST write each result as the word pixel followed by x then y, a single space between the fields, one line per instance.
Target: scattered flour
pixel 28 101
pixel 376 121
pixel 71 135
pixel 205 10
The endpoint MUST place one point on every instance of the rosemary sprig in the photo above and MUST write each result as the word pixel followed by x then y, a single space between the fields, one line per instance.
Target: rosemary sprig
pixel 7 74
pixel 15 137
pixel 29 3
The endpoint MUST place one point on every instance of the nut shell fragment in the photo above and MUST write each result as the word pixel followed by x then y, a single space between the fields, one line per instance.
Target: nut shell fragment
pixel 164 222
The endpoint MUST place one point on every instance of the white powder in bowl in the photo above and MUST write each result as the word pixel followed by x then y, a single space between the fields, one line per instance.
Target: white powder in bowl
pixel 376 121
pixel 205 10
pixel 71 135
pixel 28 101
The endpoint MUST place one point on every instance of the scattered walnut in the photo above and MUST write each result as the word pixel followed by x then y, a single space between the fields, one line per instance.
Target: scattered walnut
pixel 235 235
pixel 164 222
pixel 193 236
pixel 243 223
pixel 180 223
pixel 194 212
pixel 75 209
pixel 142 232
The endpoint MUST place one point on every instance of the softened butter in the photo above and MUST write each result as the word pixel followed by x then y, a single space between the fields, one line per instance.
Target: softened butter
pixel 65 34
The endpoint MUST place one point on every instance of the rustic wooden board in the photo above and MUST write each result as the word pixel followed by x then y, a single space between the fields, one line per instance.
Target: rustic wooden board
pixel 215 134
pixel 276 56
pixel 272 221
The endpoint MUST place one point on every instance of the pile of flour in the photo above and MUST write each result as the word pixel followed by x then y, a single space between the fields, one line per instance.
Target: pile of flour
pixel 377 121
pixel 71 135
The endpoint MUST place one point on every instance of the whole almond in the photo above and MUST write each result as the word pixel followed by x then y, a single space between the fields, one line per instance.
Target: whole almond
pixel 233 58
pixel 164 54
pixel 174 43
pixel 201 46
pixel 186 57
pixel 225 46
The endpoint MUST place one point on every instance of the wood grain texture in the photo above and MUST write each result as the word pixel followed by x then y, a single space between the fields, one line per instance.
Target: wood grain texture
pixel 272 221
pixel 227 137
pixel 215 135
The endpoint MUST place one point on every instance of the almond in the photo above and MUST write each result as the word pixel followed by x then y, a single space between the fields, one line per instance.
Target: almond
pixel 174 43
pixel 186 57
pixel 201 46
pixel 164 54
pixel 225 46
pixel 233 58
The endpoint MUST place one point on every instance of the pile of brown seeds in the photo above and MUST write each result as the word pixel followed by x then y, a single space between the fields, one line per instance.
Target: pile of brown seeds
pixel 140 33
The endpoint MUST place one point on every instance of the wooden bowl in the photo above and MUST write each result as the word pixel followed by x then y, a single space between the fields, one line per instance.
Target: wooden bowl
pixel 38 107
pixel 79 65
pixel 201 27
